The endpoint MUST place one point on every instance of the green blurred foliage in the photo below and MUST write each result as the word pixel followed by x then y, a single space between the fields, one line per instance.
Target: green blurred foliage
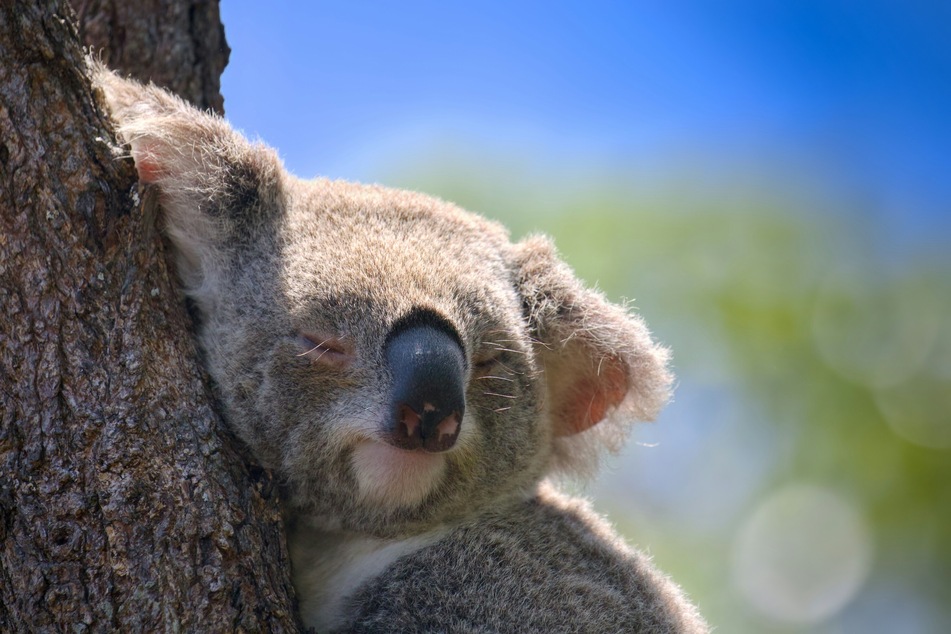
pixel 835 344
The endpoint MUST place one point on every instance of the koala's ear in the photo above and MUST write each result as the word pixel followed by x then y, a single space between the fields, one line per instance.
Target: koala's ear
pixel 599 361
pixel 212 182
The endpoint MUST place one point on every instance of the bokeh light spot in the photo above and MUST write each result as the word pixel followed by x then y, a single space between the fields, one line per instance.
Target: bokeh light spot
pixel 919 411
pixel 802 555
pixel 875 333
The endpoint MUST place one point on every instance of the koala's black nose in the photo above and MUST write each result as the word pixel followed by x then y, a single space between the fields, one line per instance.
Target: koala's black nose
pixel 428 398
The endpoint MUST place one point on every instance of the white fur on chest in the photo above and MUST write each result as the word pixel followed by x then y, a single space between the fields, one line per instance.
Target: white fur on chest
pixel 330 567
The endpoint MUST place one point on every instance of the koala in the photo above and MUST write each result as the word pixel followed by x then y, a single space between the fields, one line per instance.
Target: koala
pixel 415 379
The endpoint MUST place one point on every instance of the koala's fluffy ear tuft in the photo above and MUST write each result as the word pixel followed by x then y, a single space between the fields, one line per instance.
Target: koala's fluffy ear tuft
pixel 213 183
pixel 600 365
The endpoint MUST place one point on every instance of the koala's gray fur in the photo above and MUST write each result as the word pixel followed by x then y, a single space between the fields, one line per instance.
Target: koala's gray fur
pixel 299 284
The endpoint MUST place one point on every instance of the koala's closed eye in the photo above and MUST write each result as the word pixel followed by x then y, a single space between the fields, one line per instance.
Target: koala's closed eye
pixel 487 358
pixel 495 363
pixel 496 349
pixel 324 349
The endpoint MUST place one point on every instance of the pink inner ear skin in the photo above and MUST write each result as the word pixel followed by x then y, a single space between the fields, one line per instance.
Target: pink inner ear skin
pixel 590 399
pixel 148 172
pixel 146 162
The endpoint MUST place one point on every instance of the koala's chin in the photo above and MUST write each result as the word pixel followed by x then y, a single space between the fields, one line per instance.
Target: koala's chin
pixel 412 376
pixel 388 476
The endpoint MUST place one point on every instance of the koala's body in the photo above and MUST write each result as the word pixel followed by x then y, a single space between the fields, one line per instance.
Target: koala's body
pixel 413 377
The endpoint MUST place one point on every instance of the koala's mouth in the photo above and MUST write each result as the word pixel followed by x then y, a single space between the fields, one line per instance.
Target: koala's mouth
pixel 394 477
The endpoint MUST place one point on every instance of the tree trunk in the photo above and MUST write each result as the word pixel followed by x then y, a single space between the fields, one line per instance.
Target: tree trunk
pixel 178 44
pixel 124 505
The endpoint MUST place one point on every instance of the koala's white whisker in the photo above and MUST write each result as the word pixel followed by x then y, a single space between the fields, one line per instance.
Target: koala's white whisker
pixel 499 395
pixel 509 370
pixel 317 346
pixel 504 349
pixel 500 378
pixel 319 355
pixel 494 410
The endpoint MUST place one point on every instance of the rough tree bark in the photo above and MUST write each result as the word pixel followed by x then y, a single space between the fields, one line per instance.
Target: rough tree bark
pixel 124 506
pixel 178 44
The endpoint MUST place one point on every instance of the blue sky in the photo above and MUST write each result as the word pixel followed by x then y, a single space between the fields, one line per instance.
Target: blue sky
pixel 852 98
pixel 853 94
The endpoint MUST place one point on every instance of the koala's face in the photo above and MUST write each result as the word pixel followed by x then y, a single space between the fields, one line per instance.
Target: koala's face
pixel 395 359
pixel 371 346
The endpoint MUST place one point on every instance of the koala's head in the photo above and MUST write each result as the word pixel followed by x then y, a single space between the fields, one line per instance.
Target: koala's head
pixel 397 360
